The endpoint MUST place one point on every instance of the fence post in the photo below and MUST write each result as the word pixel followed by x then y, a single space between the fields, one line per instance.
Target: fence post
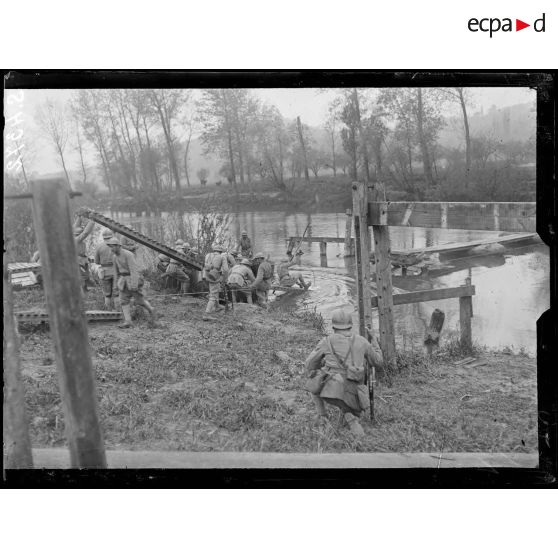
pixel 364 294
pixel 465 314
pixel 444 218
pixel 17 445
pixel 384 287
pixel 323 254
pixel 53 230
pixel 496 213
pixel 349 246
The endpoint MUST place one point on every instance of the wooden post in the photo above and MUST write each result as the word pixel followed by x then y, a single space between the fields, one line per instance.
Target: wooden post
pixel 496 213
pixel 323 254
pixel 385 289
pixel 17 445
pixel 465 314
pixel 53 230
pixel 349 246
pixel 364 294
pixel 444 219
pixel 432 335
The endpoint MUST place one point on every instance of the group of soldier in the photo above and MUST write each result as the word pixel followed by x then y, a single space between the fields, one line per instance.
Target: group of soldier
pixel 335 368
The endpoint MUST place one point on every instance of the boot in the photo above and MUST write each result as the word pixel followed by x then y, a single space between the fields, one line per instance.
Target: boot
pixel 151 311
pixel 354 426
pixel 127 317
pixel 108 303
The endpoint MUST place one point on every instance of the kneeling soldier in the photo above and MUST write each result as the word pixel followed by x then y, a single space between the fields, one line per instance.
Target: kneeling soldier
pixel 129 281
pixel 338 365
pixel 262 284
pixel 291 278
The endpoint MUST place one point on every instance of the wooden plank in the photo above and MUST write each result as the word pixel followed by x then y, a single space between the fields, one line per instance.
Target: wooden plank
pixel 327 239
pixel 454 246
pixel 20 267
pixel 384 287
pixel 465 315
pixel 53 230
pixel 427 295
pixel 362 246
pixel 407 214
pixel 512 216
pixel 349 244
pixel 17 444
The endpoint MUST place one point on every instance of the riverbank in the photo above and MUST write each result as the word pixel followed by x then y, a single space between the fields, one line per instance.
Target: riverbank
pixel 235 384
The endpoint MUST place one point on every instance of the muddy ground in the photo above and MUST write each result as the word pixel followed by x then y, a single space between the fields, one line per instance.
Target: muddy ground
pixel 235 384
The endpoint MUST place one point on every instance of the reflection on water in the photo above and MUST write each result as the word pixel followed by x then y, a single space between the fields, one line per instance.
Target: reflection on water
pixel 512 288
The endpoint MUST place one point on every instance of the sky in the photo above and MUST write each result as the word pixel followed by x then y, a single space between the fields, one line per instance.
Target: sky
pixel 310 104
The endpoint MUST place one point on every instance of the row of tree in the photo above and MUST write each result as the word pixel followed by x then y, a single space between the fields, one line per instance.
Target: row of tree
pixel 141 138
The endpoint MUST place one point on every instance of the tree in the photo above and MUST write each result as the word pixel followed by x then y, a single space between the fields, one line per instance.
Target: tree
pixel 52 120
pixel 168 103
pixel 317 160
pixel 302 148
pixel 331 129
pixel 202 175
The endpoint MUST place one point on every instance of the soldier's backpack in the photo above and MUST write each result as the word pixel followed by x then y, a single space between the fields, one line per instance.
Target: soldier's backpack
pixel 354 373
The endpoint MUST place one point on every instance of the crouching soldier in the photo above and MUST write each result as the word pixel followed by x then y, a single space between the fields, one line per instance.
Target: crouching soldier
pixel 129 282
pixel 291 278
pixel 103 258
pixel 336 371
pixel 215 268
pixel 262 284
pixel 240 280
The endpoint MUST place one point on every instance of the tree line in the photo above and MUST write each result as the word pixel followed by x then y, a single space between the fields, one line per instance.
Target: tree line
pixel 141 140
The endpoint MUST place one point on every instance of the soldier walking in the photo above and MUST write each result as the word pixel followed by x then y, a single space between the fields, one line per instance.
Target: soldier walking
pixel 337 363
pixel 80 234
pixel 129 282
pixel 104 257
pixel 215 268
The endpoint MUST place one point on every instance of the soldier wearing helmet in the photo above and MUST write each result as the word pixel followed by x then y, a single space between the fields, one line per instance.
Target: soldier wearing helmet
pixel 245 245
pixel 240 280
pixel 214 270
pixel 129 281
pixel 339 359
pixel 103 258
pixel 262 284
pixel 291 278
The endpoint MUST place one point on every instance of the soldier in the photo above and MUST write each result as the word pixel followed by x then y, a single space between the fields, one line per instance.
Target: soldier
pixel 179 245
pixel 128 244
pixel 215 267
pixel 162 262
pixel 129 282
pixel 291 278
pixel 241 279
pixel 80 234
pixel 339 361
pixel 176 271
pixel 262 284
pixel 103 257
pixel 245 245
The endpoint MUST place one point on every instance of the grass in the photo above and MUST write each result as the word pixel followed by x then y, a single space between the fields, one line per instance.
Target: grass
pixel 222 386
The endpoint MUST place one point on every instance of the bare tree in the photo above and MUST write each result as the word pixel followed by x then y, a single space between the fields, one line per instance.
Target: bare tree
pixel 302 148
pixel 52 120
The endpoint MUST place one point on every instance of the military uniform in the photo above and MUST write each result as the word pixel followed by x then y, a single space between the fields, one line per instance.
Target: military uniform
pixel 215 268
pixel 103 257
pixel 241 279
pixel 80 234
pixel 290 278
pixel 129 279
pixel 245 247
pixel 262 284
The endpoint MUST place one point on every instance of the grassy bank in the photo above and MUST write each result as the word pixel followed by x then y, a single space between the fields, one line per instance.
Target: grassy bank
pixel 228 385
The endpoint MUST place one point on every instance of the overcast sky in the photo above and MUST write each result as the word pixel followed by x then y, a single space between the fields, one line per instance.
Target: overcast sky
pixel 310 104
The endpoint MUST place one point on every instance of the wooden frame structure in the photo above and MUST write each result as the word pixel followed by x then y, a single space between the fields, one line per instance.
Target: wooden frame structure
pixel 369 212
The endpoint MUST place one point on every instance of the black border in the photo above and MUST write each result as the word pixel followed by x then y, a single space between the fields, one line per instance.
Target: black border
pixel 546 475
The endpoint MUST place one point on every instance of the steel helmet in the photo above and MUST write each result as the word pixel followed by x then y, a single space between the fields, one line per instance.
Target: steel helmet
pixel 179 242
pixel 164 258
pixel 107 233
pixel 187 245
pixel 244 233
pixel 113 241
pixel 259 256
pixel 340 319
pixel 245 261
